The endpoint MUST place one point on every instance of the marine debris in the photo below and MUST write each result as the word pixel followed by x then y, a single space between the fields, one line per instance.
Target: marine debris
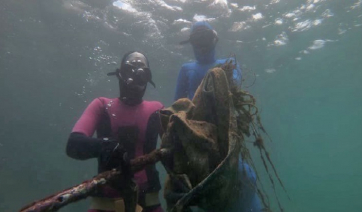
pixel 206 137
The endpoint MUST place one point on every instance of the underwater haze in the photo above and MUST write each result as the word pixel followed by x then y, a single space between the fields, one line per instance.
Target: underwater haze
pixel 304 55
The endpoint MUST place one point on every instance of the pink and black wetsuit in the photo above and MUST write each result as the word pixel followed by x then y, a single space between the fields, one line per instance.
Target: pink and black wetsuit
pixel 108 117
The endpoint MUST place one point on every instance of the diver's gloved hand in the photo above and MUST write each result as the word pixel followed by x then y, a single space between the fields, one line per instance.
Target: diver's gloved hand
pixel 113 155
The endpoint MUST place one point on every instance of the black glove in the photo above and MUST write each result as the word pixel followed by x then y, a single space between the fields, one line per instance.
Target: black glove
pixel 113 155
pixel 110 153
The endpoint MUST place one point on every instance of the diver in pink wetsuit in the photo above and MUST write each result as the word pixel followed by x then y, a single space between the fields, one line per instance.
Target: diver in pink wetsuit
pixel 127 127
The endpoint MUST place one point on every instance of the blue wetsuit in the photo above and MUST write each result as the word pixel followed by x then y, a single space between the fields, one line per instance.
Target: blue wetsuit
pixel 189 78
pixel 191 75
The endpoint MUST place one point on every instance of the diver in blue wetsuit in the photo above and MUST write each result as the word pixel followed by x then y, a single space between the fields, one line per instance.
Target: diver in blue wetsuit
pixel 203 39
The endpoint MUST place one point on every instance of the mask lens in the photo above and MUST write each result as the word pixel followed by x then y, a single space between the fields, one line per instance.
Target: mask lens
pixel 134 75
pixel 129 81
pixel 143 75
pixel 127 71
pixel 140 73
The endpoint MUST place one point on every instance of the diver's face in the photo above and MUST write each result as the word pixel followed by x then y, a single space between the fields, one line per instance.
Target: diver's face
pixel 133 80
pixel 203 40
pixel 203 51
pixel 135 74
pixel 131 94
pixel 135 91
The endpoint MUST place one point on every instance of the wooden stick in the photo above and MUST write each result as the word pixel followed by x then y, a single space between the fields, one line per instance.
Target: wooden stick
pixel 56 201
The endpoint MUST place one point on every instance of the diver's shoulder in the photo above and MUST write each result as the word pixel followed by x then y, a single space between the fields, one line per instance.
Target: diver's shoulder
pixel 223 60
pixel 188 65
pixel 105 100
pixel 155 104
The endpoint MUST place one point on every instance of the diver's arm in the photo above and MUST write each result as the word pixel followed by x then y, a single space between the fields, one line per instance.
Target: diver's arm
pixel 255 204
pixel 182 84
pixel 249 199
pixel 80 144
pixel 237 76
pixel 82 147
pixel 153 130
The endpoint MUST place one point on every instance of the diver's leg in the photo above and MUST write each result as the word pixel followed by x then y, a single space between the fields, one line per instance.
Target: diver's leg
pixel 249 200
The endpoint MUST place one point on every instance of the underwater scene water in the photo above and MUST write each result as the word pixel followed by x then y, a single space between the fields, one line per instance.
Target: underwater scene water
pixel 305 57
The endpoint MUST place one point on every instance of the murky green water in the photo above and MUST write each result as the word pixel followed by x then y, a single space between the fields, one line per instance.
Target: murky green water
pixel 306 55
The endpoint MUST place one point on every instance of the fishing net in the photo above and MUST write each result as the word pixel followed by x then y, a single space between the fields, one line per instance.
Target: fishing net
pixel 206 137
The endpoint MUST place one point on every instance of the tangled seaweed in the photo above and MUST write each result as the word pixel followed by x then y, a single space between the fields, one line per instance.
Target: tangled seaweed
pixel 249 124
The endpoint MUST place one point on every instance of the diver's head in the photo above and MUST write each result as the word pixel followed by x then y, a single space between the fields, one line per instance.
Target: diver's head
pixel 133 76
pixel 203 39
